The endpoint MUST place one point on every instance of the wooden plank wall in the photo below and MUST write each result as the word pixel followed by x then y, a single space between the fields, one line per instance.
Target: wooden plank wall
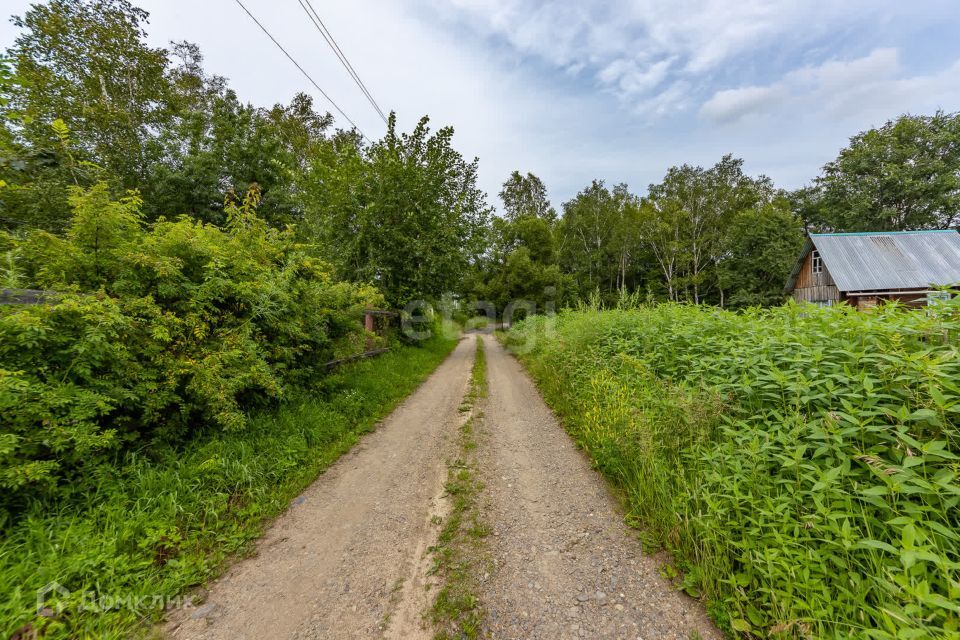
pixel 816 293
pixel 812 287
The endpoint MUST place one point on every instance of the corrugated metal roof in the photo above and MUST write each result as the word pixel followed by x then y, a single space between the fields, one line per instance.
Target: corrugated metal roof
pixel 886 261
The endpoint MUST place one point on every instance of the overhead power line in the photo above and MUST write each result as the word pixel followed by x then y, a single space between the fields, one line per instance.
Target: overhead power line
pixel 332 43
pixel 297 65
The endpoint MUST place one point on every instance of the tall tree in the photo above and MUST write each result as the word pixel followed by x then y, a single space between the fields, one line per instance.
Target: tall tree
pixel 404 213
pixel 689 223
pixel 226 146
pixel 588 227
pixel 521 263
pixel 90 101
pixel 526 195
pixel 662 230
pixel 761 246
pixel 86 63
pixel 903 175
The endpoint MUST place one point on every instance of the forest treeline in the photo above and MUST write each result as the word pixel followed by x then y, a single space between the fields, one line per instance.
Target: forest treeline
pixel 716 234
pixel 85 101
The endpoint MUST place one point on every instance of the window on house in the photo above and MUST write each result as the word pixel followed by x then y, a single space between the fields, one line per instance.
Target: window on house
pixel 816 263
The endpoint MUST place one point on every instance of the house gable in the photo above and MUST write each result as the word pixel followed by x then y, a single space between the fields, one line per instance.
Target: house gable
pixel 812 286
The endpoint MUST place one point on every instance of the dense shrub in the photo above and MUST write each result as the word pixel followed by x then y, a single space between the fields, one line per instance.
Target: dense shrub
pixel 156 330
pixel 801 463
pixel 157 525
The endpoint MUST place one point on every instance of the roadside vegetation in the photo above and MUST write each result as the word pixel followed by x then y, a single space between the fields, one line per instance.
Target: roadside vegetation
pixel 800 463
pixel 458 557
pixel 200 260
pixel 199 264
pixel 157 521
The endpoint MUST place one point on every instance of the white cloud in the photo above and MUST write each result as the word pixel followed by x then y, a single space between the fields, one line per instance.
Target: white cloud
pixel 631 77
pixel 634 48
pixel 732 104
pixel 840 89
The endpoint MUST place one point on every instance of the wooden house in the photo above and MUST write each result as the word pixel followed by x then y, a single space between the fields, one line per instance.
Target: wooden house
pixel 862 269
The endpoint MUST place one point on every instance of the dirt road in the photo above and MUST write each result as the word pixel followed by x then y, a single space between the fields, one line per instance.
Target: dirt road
pixel 343 561
pixel 566 564
pixel 350 557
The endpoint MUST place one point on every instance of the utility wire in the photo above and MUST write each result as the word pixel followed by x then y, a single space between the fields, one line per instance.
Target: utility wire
pixel 297 64
pixel 332 43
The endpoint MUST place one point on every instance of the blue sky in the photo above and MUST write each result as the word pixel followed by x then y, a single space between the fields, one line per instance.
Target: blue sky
pixel 616 90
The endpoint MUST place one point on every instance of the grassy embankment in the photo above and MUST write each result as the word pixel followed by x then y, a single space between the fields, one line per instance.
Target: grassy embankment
pixel 801 464
pixel 157 524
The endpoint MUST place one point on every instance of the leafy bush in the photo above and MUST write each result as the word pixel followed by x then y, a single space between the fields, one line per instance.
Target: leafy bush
pixel 800 463
pixel 153 526
pixel 155 331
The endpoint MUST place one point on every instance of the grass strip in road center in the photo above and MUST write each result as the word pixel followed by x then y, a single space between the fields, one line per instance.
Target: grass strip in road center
pixel 458 555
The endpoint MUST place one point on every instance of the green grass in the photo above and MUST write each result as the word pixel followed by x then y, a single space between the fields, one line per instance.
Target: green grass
pixel 164 521
pixel 458 558
pixel 800 464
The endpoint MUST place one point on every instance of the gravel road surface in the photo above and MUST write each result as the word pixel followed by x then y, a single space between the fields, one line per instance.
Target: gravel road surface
pixel 350 558
pixel 341 561
pixel 566 565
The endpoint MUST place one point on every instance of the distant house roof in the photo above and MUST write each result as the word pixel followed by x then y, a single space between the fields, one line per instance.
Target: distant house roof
pixel 876 261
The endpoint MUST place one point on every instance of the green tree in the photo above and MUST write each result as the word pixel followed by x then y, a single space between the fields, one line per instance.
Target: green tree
pixel 687 222
pixel 86 64
pixel 594 244
pixel 526 195
pixel 761 246
pixel 90 101
pixel 903 175
pixel 403 213
pixel 521 263
pixel 228 146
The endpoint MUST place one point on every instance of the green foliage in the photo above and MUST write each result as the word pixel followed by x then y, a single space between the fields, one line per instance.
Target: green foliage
pixel 159 330
pixel 526 196
pixel 800 463
pixel 904 175
pixel 521 261
pixel 89 100
pixel 85 101
pixel 403 213
pixel 761 244
pixel 710 234
pixel 692 224
pixel 220 146
pixel 596 231
pixel 159 521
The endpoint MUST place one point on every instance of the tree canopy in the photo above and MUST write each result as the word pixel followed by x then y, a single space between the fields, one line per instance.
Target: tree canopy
pixel 901 176
pixel 86 102
pixel 403 212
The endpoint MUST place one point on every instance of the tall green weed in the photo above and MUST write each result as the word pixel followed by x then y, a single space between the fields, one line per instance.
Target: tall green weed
pixel 801 464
